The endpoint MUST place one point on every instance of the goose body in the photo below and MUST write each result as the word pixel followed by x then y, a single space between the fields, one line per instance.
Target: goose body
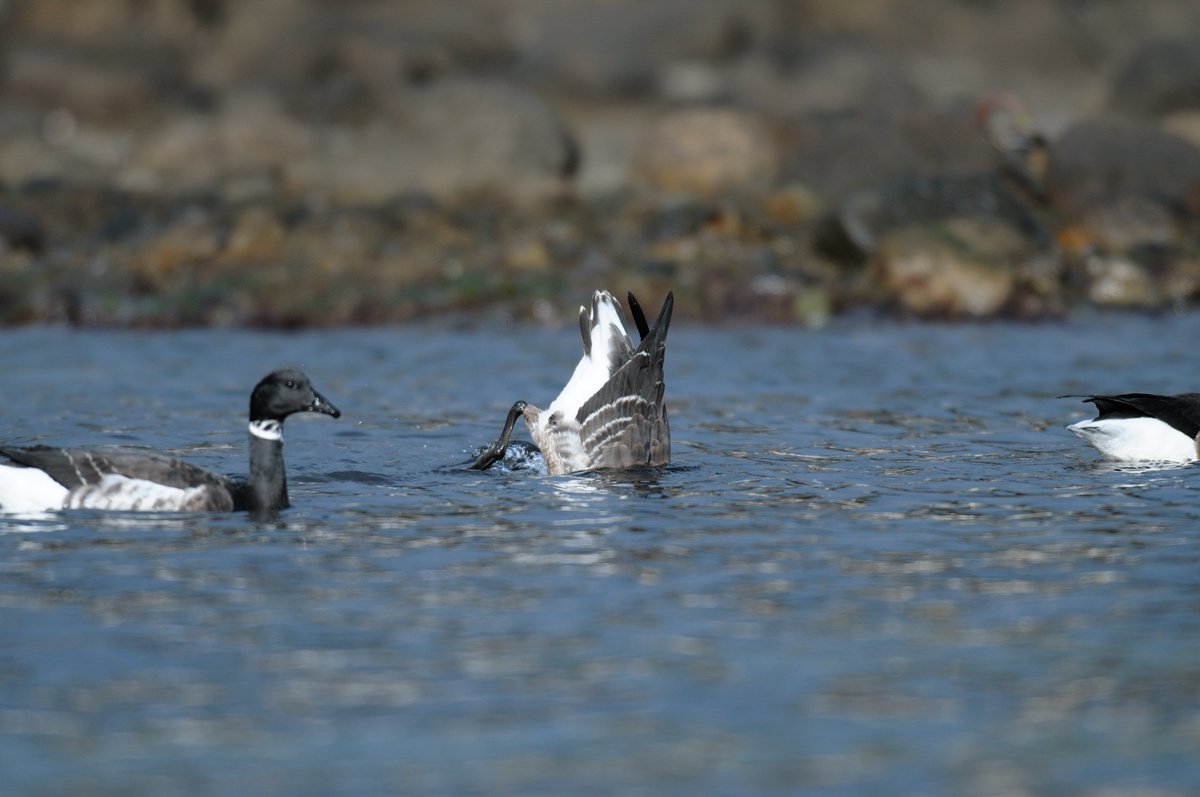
pixel 43 478
pixel 1143 426
pixel 611 413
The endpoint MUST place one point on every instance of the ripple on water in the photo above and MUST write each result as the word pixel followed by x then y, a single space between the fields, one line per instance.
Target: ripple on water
pixel 878 563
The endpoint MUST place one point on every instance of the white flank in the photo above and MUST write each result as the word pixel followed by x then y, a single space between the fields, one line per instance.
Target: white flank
pixel 267 430
pixel 592 371
pixel 29 490
pixel 1145 439
pixel 139 495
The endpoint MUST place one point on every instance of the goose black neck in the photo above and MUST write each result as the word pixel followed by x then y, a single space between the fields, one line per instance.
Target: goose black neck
pixel 266 484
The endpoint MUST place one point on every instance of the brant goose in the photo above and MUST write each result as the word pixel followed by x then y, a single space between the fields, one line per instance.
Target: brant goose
pixel 1143 426
pixel 42 478
pixel 611 412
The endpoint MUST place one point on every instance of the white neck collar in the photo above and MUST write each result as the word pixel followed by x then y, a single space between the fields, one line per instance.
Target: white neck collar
pixel 267 430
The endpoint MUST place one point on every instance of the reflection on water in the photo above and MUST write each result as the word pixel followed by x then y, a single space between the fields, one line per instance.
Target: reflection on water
pixel 878 564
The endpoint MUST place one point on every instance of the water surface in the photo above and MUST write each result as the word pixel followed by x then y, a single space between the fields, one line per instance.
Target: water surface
pixel 878 564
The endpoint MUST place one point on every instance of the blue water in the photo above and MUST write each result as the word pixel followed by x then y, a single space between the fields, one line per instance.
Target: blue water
pixel 878 564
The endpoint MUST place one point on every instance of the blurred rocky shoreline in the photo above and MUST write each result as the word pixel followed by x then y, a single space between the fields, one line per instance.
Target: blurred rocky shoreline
pixel 297 163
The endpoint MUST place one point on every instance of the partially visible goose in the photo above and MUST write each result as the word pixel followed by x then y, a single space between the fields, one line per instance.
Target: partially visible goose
pixel 41 478
pixel 611 412
pixel 1143 426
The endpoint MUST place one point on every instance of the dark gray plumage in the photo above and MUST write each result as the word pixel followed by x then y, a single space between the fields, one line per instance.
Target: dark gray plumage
pixel 621 419
pixel 117 479
pixel 624 424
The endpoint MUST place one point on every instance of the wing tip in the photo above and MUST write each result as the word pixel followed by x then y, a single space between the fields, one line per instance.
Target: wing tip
pixel 664 315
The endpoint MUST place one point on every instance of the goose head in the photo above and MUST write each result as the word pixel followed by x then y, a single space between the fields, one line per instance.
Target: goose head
pixel 284 392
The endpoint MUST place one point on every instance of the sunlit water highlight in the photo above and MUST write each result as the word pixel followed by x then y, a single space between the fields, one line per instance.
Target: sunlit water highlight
pixel 878 564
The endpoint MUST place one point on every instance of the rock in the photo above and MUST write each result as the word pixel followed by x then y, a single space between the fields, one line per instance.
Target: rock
pixel 181 154
pixel 1040 280
pixel 21 230
pixel 256 134
pixel 1100 159
pixel 769 298
pixel 98 152
pixel 840 154
pixel 192 239
pixel 123 223
pixel 527 254
pixel 691 82
pixel 813 307
pixel 608 145
pixel 488 131
pixel 92 90
pixel 88 155
pixel 705 151
pixel 830 78
pixel 452 139
pixel 794 204
pixel 934 278
pixel 606 47
pixel 1185 125
pixel 24 158
pixel 850 233
pixel 257 236
pixel 250 139
pixel 345 241
pixel 1182 283
pixel 1126 223
pixel 341 63
pixel 1113 184
pixel 1161 76
pixel 1116 281
pixel 118 21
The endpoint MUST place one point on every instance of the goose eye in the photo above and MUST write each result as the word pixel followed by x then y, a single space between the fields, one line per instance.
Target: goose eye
pixel 290 383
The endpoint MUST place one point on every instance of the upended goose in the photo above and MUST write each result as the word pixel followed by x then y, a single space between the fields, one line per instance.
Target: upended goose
pixel 41 478
pixel 1143 426
pixel 611 413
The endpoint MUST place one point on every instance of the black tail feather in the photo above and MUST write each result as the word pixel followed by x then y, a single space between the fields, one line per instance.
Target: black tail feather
pixel 639 317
